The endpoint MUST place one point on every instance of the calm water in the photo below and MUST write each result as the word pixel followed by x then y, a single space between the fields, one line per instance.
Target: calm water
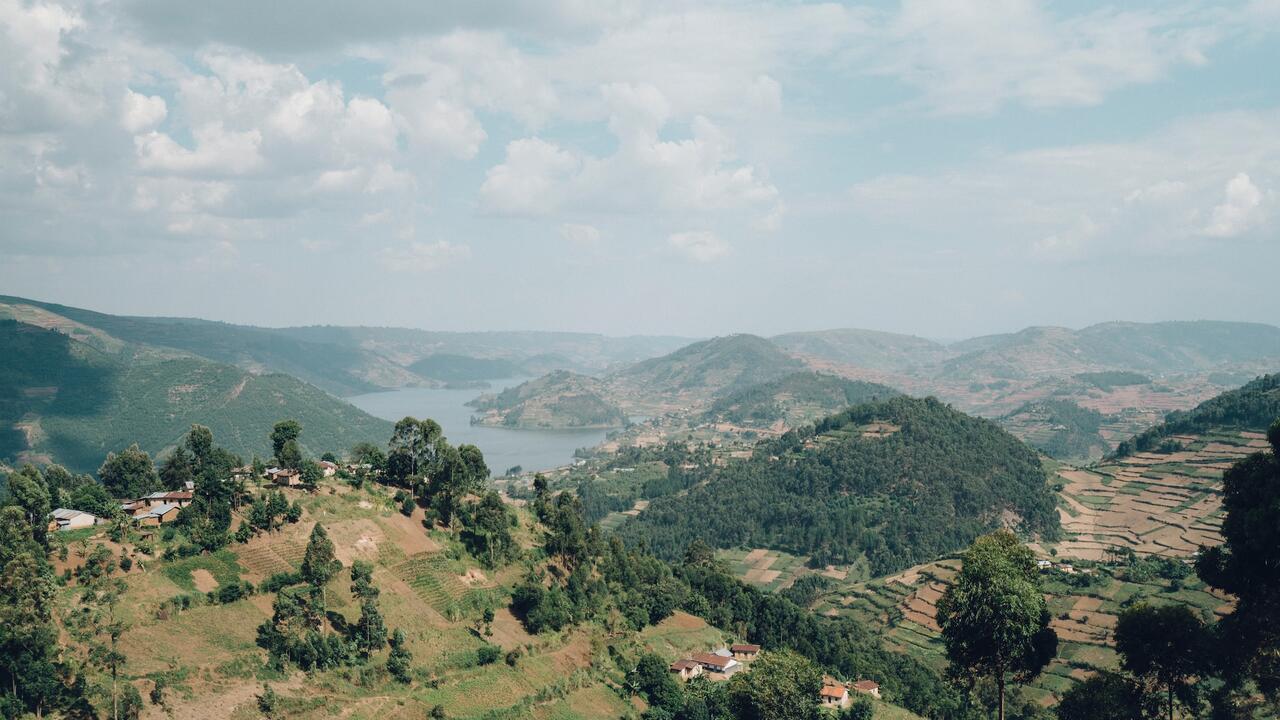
pixel 502 448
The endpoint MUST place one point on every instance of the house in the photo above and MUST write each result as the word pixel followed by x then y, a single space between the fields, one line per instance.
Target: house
pixel 329 469
pixel 64 519
pixel 1043 564
pixel 288 478
pixel 181 498
pixel 711 662
pixel 868 687
pixel 744 651
pixel 686 669
pixel 158 515
pixel 836 696
pixel 244 473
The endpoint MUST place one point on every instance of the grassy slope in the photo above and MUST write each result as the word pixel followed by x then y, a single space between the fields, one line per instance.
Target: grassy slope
pixel 79 403
pixel 561 399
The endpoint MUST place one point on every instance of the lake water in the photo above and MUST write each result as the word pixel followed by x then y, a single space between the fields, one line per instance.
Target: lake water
pixel 502 447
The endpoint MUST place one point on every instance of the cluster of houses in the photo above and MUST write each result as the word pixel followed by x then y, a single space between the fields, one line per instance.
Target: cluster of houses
pixel 726 662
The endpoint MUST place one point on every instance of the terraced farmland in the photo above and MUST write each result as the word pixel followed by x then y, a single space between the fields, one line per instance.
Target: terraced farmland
pixel 433 578
pixel 766 569
pixel 905 607
pixel 1156 503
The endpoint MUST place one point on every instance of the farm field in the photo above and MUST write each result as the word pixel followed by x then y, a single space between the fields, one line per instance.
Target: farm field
pixel 905 606
pixel 766 569
pixel 1155 503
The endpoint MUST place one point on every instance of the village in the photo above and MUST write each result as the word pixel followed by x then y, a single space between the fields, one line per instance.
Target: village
pixel 162 507
pixel 723 663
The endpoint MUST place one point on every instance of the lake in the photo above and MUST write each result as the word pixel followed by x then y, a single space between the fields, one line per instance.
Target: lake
pixel 503 448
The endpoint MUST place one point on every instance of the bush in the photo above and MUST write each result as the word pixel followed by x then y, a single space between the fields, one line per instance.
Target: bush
pixel 279 581
pixel 488 655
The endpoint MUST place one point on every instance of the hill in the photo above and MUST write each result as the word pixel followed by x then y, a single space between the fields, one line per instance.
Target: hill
pixel 1060 429
pixel 347 360
pixel 899 482
pixel 866 349
pixel 704 369
pixel 63 399
pixel 1251 407
pixel 558 400
pixel 794 399
pixel 1163 347
pixel 448 367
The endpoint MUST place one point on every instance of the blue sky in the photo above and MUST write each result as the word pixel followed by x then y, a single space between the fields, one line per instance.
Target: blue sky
pixel 944 168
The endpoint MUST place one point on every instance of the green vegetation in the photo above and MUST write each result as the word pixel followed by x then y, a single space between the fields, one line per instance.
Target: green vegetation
pixel 838 490
pixel 795 398
pixel 449 367
pixel 1253 406
pixel 719 365
pixel 559 400
pixel 79 403
pixel 1059 428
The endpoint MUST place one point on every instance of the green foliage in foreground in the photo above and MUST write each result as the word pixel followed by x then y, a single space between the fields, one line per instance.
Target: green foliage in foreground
pixel 832 494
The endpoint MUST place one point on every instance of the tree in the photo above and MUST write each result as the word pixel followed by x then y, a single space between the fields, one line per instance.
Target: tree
pixel 27 490
pixel 488 529
pixel 200 444
pixel 319 563
pixel 312 474
pixel 284 432
pixel 412 449
pixel 1106 696
pixel 178 469
pixel 994 618
pixel 129 474
pixel 473 459
pixel 1247 565
pixel 781 686
pixel 290 455
pixel 28 636
pixel 398 662
pixel 1163 645
pixel 92 498
pixel 652 679
pixel 368 454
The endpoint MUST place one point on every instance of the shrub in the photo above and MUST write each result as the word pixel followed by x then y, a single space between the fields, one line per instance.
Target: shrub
pixel 488 655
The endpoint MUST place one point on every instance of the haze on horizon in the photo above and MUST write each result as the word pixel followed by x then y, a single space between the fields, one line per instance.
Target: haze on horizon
pixel 934 167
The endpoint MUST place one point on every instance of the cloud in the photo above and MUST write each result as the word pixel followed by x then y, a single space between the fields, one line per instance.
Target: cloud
pixel 699 245
pixel 645 174
pixel 1155 195
pixel 1239 210
pixel 142 112
pixel 584 236
pixel 974 56
pixel 420 257
pixel 217 152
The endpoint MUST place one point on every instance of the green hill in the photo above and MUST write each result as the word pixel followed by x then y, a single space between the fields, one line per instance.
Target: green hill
pixel 62 399
pixel 899 481
pixel 558 400
pixel 449 367
pixel 1059 428
pixel 795 399
pixel 866 348
pixel 1252 407
pixel 708 368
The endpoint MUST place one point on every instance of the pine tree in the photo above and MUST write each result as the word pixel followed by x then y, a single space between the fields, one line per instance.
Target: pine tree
pixel 320 564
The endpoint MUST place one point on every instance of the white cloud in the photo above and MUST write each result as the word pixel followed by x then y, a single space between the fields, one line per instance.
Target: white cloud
pixel 217 151
pixel 142 112
pixel 584 236
pixel 420 257
pixel 1239 210
pixel 973 56
pixel 645 174
pixel 699 245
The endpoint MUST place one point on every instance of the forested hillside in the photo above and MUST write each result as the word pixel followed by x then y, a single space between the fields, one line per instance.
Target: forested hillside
pixel 803 396
pixel 559 400
pixel 63 400
pixel 1059 428
pixel 1253 406
pixel 449 367
pixel 708 368
pixel 899 481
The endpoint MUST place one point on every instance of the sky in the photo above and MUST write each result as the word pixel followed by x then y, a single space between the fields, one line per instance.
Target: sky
pixel 946 168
